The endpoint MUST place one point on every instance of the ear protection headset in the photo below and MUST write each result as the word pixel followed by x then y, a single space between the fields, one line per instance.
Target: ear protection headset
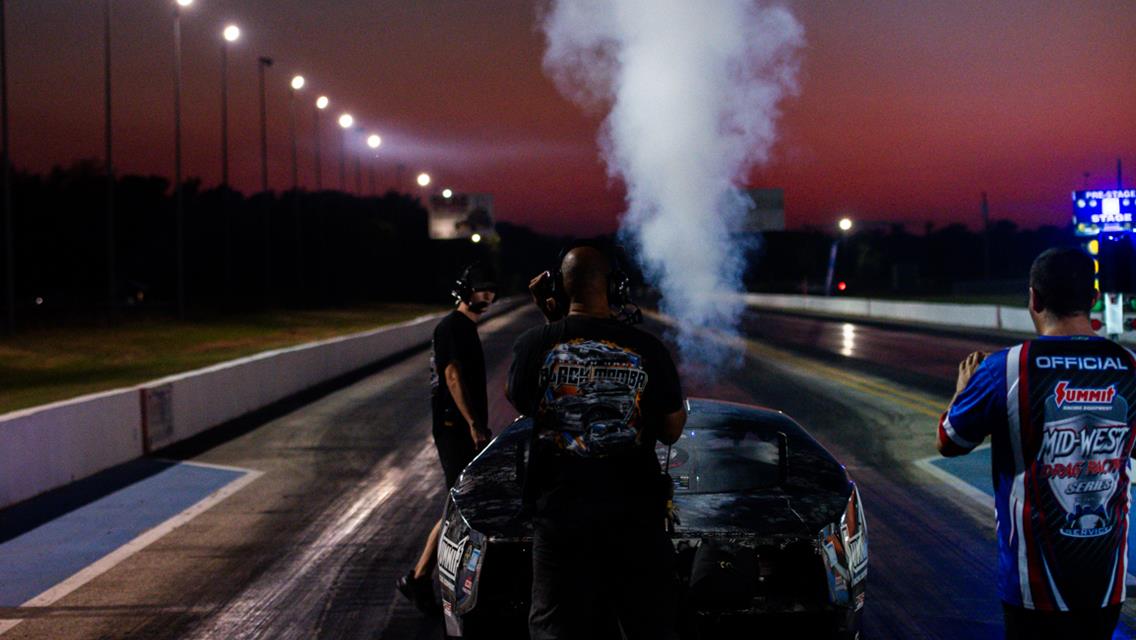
pixel 618 283
pixel 468 282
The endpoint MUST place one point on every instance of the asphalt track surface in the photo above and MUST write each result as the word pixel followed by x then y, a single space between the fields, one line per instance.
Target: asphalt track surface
pixel 350 486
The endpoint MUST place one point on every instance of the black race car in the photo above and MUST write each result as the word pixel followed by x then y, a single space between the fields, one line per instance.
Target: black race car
pixel 769 533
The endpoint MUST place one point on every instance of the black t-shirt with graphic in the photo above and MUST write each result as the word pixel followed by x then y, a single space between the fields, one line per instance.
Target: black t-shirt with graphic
pixel 597 390
pixel 456 341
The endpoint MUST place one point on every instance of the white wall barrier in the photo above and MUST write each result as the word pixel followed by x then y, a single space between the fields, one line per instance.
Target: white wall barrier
pixel 184 405
pixel 46 447
pixel 50 446
pixel 971 316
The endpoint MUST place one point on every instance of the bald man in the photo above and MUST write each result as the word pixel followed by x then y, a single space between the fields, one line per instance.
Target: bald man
pixel 601 394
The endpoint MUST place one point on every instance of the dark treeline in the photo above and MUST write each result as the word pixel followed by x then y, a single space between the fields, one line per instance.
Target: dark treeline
pixel 890 260
pixel 296 249
pixel 332 249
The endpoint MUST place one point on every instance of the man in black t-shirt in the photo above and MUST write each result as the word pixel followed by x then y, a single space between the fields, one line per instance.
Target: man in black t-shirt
pixel 459 405
pixel 601 394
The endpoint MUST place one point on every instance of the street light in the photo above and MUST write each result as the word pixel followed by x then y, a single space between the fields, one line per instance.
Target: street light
pixel 263 63
pixel 345 122
pixel 230 34
pixel 423 179
pixel 179 215
pixel 447 193
pixel 321 104
pixel 9 260
pixel 297 84
pixel 108 139
pixel 845 225
pixel 374 141
pixel 476 238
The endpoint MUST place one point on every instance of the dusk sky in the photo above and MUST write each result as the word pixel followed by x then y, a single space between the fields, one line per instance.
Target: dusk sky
pixel 907 111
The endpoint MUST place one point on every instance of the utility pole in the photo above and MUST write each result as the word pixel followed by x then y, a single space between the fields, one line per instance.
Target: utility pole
pixel 985 238
pixel 6 161
pixel 179 210
pixel 263 63
pixel 108 124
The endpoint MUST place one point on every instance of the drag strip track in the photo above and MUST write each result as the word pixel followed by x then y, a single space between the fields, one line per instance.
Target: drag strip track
pixel 350 485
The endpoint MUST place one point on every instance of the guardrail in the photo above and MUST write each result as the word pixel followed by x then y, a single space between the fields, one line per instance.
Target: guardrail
pixel 971 316
pixel 45 447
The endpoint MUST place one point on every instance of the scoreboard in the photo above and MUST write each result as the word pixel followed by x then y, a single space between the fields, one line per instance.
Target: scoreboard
pixel 1096 212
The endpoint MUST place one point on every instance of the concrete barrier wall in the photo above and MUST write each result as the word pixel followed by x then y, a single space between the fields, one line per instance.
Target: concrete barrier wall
pixel 958 315
pixel 975 316
pixel 46 447
pixel 53 445
pixel 182 406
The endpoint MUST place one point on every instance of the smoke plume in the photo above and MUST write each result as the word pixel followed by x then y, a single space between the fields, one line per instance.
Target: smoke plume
pixel 691 90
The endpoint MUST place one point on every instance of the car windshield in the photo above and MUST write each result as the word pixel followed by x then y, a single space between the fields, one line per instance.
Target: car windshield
pixel 723 457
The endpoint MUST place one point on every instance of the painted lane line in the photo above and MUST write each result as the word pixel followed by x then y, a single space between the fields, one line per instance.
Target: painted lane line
pixel 955 482
pixel 109 561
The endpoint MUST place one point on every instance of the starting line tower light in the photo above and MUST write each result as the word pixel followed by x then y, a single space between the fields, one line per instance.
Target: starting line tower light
pixel 1104 219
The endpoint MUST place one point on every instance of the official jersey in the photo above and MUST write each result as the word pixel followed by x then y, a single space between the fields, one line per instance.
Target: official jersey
pixel 1060 413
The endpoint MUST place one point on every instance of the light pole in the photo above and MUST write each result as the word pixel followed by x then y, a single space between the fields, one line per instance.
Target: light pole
pixel 423 179
pixel 845 225
pixel 374 141
pixel 179 206
pixel 358 173
pixel 345 122
pixel 296 85
pixel 107 124
pixel 263 63
pixel 321 104
pixel 6 160
pixel 231 33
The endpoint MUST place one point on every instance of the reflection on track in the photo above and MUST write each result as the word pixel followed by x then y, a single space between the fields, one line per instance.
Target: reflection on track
pixel 932 356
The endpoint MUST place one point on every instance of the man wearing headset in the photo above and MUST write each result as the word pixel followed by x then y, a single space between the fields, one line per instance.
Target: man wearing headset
pixel 601 393
pixel 460 407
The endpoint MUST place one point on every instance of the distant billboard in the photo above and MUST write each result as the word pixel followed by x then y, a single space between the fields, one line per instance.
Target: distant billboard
pixel 460 216
pixel 1100 211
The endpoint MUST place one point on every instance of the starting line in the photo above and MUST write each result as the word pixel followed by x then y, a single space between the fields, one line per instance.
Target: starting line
pixel 970 476
pixel 47 562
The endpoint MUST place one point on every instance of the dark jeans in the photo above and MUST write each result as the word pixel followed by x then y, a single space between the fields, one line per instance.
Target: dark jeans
pixel 454 443
pixel 1091 624
pixel 584 577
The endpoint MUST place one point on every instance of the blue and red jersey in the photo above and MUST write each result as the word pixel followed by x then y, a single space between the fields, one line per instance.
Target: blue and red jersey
pixel 1059 412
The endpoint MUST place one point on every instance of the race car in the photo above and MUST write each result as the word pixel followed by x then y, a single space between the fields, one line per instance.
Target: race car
pixel 769 532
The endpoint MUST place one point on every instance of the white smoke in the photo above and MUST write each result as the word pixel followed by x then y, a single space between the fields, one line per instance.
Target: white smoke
pixel 693 89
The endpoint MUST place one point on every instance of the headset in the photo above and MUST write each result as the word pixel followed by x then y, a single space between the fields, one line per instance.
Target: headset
pixel 618 285
pixel 474 277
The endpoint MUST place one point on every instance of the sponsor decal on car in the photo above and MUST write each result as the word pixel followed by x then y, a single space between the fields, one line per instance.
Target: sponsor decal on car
pixel 450 557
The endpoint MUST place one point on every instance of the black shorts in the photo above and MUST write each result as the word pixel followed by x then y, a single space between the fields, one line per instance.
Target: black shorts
pixel 1093 624
pixel 454 443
